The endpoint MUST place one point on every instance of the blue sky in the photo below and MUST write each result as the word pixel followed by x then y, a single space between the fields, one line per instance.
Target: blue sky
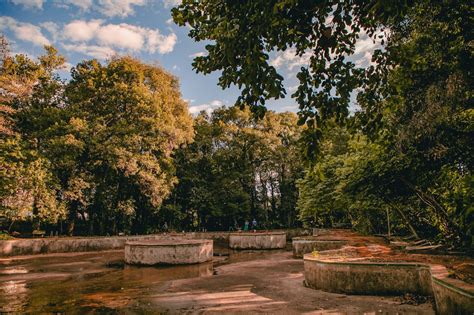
pixel 85 29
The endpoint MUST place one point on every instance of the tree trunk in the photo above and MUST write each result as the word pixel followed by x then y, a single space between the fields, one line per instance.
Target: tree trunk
pixel 410 227
pixel 449 227
pixel 388 222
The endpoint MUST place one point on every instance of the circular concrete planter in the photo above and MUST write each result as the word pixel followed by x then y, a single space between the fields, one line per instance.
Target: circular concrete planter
pixel 387 278
pixel 259 240
pixel 304 245
pixel 169 252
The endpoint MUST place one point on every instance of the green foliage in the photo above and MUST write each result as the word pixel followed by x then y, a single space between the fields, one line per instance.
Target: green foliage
pixel 327 194
pixel 416 101
pixel 237 169
pixel 28 187
pixel 99 146
pixel 243 34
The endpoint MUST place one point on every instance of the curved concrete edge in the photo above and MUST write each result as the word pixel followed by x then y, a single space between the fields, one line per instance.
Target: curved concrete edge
pixel 451 296
pixel 165 253
pixel 305 245
pixel 257 240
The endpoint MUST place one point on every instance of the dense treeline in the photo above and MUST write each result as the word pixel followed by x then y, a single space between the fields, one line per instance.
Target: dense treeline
pixel 405 156
pixel 238 168
pixel 95 150
pixel 111 151
pixel 410 155
pixel 114 149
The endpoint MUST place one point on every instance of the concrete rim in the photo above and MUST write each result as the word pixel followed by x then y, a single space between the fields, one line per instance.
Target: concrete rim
pixel 257 233
pixel 158 243
pixel 438 273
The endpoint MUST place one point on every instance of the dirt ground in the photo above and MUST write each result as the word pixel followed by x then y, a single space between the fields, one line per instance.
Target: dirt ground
pixel 236 282
pixel 378 249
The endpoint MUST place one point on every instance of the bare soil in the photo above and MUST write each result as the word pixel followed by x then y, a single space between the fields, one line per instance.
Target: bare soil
pixel 377 249
pixel 237 282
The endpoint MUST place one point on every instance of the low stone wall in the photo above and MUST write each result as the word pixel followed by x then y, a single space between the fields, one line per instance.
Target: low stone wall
pixel 85 244
pixel 320 231
pixel 293 233
pixel 367 278
pixel 259 240
pixel 304 245
pixel 65 245
pixel 372 278
pixel 452 296
pixel 170 252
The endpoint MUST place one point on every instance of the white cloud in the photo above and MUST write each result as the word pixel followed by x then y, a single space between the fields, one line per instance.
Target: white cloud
pixel 29 4
pixel 163 43
pixel 78 31
pixel 364 49
pixel 198 54
pixel 120 36
pixel 290 60
pixel 24 31
pixel 67 66
pixel 293 88
pixel 65 69
pixel 52 28
pixel 120 8
pixel 209 108
pixel 169 21
pixel 290 108
pixel 95 51
pixel 109 8
pixel 83 5
pixel 171 3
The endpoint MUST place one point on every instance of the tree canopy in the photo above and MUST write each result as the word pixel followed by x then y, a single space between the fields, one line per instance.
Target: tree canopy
pixel 98 147
pixel 407 147
pixel 238 168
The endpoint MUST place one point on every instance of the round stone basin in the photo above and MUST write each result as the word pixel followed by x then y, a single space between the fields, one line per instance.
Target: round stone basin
pixel 258 240
pixel 168 252
pixel 304 245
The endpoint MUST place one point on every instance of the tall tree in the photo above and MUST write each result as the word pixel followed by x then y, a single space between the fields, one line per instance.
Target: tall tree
pixel 125 120
pixel 237 169
pixel 28 186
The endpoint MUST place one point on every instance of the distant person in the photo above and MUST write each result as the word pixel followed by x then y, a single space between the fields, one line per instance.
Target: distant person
pixel 246 225
pixel 236 225
pixel 165 227
pixel 254 224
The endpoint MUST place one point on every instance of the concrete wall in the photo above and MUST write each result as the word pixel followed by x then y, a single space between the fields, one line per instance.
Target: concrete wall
pixel 451 296
pixel 63 245
pixel 168 252
pixel 302 245
pixel 270 240
pixel 367 278
pixel 85 244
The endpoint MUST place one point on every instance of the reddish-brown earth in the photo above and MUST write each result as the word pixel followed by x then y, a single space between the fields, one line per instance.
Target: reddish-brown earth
pixel 377 249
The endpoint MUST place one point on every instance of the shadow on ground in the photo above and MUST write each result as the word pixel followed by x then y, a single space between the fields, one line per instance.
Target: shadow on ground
pixel 245 281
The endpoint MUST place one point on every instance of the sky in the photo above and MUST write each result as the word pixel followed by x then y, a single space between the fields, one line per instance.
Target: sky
pixel 86 29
